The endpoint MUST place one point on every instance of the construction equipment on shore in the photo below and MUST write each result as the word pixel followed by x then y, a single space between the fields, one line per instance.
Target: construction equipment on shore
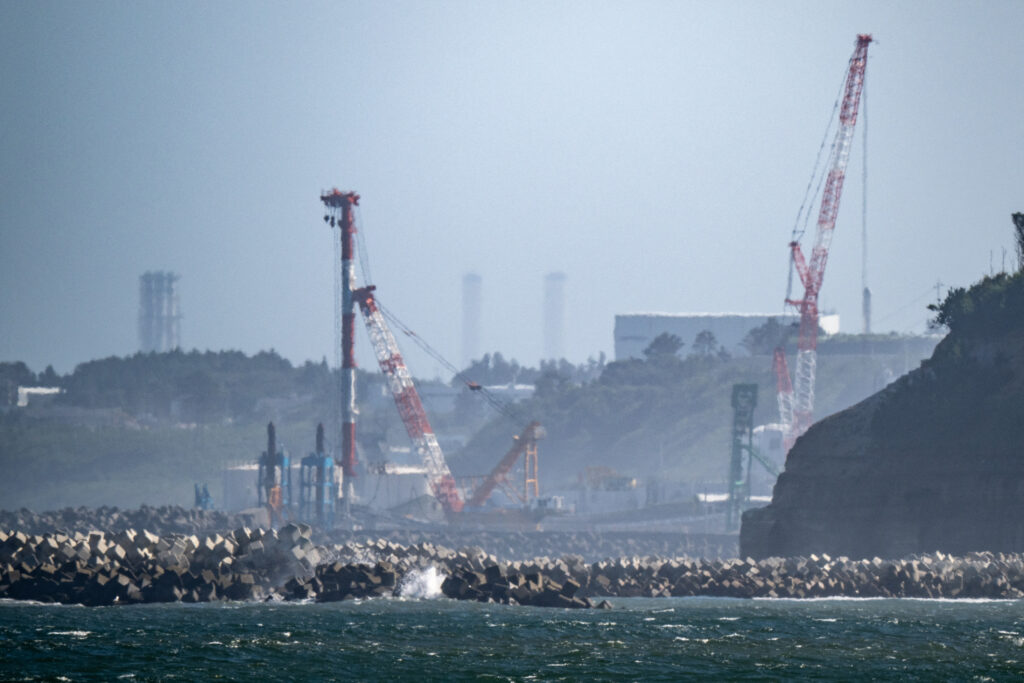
pixel 274 479
pixel 744 400
pixel 441 482
pixel 318 489
pixel 407 400
pixel 525 445
pixel 601 478
pixel 204 501
pixel 340 206
pixel 796 397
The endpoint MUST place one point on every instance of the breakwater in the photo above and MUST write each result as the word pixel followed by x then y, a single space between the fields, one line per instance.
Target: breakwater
pixel 509 545
pixel 163 519
pixel 504 544
pixel 132 566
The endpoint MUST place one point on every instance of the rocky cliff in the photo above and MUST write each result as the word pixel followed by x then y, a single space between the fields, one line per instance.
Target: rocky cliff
pixel 934 462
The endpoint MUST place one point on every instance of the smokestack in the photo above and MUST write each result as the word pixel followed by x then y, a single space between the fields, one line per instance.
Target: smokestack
pixel 866 310
pixel 159 312
pixel 471 307
pixel 147 312
pixel 172 317
pixel 554 315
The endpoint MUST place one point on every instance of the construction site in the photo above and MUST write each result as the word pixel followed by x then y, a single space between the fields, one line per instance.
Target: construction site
pixel 685 428
pixel 337 486
pixel 512 340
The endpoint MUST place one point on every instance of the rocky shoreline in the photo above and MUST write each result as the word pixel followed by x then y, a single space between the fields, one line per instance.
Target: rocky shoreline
pixel 136 566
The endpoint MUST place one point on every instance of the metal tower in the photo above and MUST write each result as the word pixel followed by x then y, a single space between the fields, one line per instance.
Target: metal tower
pixel 744 400
pixel 340 207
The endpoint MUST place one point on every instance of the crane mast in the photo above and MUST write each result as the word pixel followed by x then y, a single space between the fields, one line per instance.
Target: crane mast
pixel 340 211
pixel 407 399
pixel 797 407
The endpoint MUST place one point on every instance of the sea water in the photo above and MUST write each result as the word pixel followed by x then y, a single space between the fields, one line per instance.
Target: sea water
pixel 427 638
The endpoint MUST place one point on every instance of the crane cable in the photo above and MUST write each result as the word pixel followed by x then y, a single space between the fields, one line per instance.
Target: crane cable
pixel 818 174
pixel 504 408
pixel 864 192
pixel 364 260
pixel 500 406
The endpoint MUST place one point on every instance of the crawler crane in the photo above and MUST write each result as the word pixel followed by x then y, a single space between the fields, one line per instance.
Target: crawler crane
pixel 796 397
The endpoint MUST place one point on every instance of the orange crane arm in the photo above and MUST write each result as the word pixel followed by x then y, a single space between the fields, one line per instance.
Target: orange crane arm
pixel 532 432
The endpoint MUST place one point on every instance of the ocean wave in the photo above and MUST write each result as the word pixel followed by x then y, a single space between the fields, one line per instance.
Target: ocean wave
pixel 421 584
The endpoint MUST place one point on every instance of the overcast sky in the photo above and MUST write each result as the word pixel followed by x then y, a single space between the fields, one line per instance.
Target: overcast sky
pixel 654 152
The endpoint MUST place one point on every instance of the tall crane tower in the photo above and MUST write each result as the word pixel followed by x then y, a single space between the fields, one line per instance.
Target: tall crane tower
pixel 340 212
pixel 407 399
pixel 796 398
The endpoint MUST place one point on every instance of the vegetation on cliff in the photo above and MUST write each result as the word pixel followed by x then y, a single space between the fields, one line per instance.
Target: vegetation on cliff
pixel 969 389
pixel 932 462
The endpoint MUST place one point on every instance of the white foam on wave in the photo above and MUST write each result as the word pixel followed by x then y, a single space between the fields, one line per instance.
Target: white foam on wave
pixel 421 584
pixel 36 603
pixel 857 598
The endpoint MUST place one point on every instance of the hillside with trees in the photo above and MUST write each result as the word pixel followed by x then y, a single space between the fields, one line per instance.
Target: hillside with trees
pixel 144 428
pixel 668 415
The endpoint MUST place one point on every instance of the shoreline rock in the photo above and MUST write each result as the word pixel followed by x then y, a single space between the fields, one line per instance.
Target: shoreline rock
pixel 135 566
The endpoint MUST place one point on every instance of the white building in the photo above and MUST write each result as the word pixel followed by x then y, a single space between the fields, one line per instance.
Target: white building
pixel 634 332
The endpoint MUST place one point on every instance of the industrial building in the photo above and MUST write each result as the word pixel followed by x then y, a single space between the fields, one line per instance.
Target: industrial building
pixel 634 332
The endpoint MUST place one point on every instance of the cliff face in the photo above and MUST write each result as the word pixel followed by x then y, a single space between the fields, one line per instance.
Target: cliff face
pixel 933 462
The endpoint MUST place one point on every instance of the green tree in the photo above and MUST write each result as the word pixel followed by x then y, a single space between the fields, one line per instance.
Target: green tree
pixel 1018 234
pixel 705 344
pixel 764 338
pixel 49 377
pixel 550 384
pixel 17 373
pixel 665 344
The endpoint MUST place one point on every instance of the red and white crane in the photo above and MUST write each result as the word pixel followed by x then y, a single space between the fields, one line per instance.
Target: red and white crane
pixel 410 408
pixel 796 398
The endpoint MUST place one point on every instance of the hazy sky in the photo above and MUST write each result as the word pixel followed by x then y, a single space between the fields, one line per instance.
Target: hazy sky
pixel 655 152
